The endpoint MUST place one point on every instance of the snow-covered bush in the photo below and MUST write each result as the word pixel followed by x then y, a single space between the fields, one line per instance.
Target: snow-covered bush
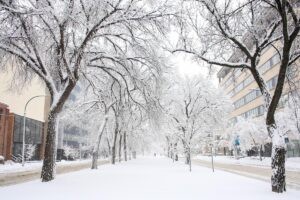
pixel 69 152
pixel 30 151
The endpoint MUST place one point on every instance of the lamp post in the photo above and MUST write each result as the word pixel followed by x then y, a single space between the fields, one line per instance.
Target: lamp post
pixel 24 127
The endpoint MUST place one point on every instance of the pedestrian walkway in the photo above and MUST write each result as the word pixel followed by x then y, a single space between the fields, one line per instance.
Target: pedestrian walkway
pixel 12 178
pixel 147 178
pixel 261 173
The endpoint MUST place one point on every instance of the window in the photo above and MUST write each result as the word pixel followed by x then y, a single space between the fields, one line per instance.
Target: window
pixel 239 103
pixel 248 80
pixel 228 82
pixel 271 84
pixel 239 87
pixel 255 112
pixel 34 130
pixel 269 64
pixel 231 93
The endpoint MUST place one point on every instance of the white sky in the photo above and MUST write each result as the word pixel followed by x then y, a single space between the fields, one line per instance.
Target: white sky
pixel 186 66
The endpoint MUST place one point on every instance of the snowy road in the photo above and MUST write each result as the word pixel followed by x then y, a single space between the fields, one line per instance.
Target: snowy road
pixel 146 179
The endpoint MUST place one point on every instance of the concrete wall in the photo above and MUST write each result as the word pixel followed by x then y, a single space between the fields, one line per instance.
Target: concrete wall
pixel 16 98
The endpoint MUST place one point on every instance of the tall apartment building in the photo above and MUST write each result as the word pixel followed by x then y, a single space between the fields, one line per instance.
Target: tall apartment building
pixel 12 104
pixel 244 92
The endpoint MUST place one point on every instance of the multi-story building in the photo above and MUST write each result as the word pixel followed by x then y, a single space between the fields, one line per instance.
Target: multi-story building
pixel 243 90
pixel 72 136
pixel 13 98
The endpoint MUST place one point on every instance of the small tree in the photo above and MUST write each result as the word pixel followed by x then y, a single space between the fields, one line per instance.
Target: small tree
pixel 195 108
pixel 30 151
pixel 69 152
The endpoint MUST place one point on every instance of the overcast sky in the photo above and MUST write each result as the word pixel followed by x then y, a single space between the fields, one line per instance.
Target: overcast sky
pixel 186 66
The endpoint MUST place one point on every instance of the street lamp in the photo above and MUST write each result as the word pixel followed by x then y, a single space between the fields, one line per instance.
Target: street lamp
pixel 24 126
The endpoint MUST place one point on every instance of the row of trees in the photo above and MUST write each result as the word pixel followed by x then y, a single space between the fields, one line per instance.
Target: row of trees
pixel 193 110
pixel 234 35
pixel 112 44
pixel 114 47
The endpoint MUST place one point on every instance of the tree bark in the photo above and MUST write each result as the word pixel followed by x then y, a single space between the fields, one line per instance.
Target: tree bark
pixel 97 145
pixel 113 148
pixel 176 152
pixel 260 152
pixel 278 161
pixel 120 148
pixel 129 154
pixel 190 161
pixel 125 146
pixel 108 146
pixel 187 157
pixel 278 170
pixel 48 169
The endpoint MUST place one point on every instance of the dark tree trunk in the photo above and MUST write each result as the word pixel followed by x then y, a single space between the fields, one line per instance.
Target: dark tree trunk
pixel 171 151
pixel 108 146
pixel 120 148
pixel 113 148
pixel 48 169
pixel 175 152
pixel 190 161
pixel 97 145
pixel 95 160
pixel 129 154
pixel 125 147
pixel 260 152
pixel 278 170
pixel 187 158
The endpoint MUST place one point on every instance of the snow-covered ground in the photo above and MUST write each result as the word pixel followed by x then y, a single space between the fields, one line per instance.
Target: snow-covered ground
pixel 11 167
pixel 292 164
pixel 146 179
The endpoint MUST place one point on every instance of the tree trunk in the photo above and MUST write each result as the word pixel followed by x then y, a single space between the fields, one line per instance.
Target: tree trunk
pixel 97 145
pixel 108 146
pixel 129 154
pixel 278 161
pixel 48 169
pixel 171 151
pixel 190 161
pixel 125 147
pixel 120 148
pixel 176 152
pixel 113 148
pixel 260 152
pixel 187 158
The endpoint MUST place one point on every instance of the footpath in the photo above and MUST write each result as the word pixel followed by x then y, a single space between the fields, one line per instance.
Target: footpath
pixel 15 177
pixel 261 173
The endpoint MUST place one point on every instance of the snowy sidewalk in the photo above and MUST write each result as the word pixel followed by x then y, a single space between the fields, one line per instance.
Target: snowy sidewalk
pixel 292 164
pixel 15 173
pixel 147 179
pixel 257 172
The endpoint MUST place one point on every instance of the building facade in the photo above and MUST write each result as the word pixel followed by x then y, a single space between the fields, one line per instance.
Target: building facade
pixel 13 98
pixel 244 92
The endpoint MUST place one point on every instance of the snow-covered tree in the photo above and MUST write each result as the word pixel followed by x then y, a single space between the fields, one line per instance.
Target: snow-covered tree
pixel 69 151
pixel 235 34
pixel 251 132
pixel 57 40
pixel 195 108
pixel 30 151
